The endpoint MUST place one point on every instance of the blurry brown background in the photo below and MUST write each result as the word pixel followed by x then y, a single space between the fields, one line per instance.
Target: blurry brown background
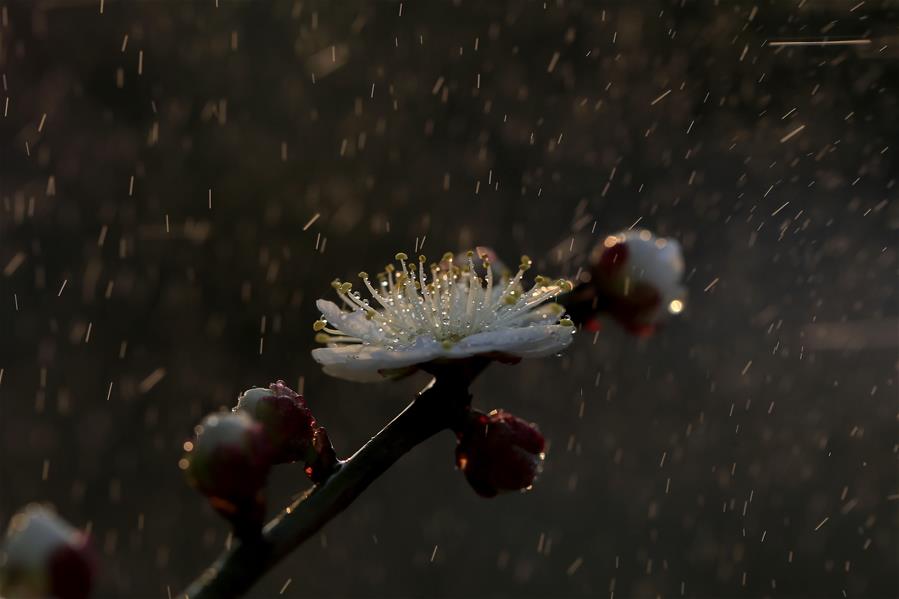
pixel 703 457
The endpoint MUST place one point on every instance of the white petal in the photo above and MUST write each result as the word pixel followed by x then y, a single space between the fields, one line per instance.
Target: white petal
pixel 353 324
pixel 360 362
pixel 545 314
pixel 658 262
pixel 524 342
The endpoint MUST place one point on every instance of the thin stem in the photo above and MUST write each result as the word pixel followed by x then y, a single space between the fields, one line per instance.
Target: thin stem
pixel 438 406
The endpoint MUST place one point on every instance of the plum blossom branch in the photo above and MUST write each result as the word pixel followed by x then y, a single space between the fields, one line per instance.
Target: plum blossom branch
pixel 450 327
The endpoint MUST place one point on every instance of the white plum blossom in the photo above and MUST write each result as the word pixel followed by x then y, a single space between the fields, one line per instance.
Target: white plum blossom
pixel 443 311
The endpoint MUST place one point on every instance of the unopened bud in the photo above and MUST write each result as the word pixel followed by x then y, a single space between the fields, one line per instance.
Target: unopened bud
pixel 43 556
pixel 499 452
pixel 288 424
pixel 229 463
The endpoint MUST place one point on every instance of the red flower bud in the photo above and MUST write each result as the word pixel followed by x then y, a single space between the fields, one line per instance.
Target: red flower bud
pixel 288 424
pixel 499 452
pixel 229 463
pixel 45 557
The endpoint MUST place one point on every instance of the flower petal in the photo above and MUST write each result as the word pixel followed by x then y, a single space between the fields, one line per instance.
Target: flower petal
pixel 545 314
pixel 658 261
pixel 360 362
pixel 524 342
pixel 353 324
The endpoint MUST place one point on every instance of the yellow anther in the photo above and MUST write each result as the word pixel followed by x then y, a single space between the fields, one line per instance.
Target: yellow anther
pixel 335 283
pixel 389 268
pixel 319 325
pixel 510 299
pixel 540 280
pixel 469 253
pixel 345 288
pixel 564 285
pixel 447 344
pixel 363 275
pixel 566 322
pixel 322 338
pixel 447 257
pixel 401 256
pixel 422 259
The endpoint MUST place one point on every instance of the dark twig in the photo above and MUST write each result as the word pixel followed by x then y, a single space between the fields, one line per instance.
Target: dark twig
pixel 438 406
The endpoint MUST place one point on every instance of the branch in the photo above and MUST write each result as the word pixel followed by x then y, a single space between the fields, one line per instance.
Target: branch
pixel 438 406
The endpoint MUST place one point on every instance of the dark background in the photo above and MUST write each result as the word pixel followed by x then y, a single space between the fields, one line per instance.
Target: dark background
pixel 690 464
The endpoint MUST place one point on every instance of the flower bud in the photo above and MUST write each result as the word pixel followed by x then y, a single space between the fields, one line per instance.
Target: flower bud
pixel 499 452
pixel 636 278
pixel 229 463
pixel 43 556
pixel 288 424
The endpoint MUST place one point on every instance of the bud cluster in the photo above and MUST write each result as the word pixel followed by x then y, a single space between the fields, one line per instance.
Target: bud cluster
pixel 232 453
